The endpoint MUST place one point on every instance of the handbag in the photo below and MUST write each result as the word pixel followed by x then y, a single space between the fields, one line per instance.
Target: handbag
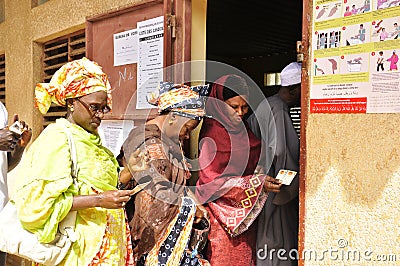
pixel 14 239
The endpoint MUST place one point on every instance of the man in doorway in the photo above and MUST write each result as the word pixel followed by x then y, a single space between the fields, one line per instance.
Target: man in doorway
pixel 12 146
pixel 279 220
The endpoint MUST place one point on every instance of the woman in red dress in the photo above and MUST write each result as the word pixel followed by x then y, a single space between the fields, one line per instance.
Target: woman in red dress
pixel 233 194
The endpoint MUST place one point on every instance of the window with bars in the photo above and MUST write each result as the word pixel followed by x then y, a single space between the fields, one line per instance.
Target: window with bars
pixel 3 79
pixel 57 53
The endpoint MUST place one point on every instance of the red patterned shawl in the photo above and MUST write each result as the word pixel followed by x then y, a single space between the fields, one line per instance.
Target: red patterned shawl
pixel 228 157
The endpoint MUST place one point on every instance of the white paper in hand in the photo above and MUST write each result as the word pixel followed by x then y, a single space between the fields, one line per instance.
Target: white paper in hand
pixel 286 176
pixel 17 128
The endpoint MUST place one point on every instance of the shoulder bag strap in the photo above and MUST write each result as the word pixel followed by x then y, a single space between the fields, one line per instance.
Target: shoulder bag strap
pixel 72 149
pixel 67 225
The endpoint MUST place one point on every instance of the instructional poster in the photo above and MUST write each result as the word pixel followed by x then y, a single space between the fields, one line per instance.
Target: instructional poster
pixel 150 58
pixel 355 53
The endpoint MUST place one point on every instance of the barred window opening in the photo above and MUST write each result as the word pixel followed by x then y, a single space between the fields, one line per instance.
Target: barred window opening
pixel 57 53
pixel 3 79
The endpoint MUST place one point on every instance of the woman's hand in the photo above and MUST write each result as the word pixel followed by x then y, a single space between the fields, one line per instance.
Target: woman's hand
pixel 113 199
pixel 139 161
pixel 26 135
pixel 8 140
pixel 201 213
pixel 272 185
pixel 125 176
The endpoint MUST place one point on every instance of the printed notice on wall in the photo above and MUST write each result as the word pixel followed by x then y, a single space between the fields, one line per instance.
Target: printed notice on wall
pixel 114 132
pixel 355 53
pixel 125 47
pixel 150 58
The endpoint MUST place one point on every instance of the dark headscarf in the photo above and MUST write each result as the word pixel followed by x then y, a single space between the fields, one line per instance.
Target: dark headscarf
pixel 234 85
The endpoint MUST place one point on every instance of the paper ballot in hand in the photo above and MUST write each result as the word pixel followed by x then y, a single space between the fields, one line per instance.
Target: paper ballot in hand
pixel 286 176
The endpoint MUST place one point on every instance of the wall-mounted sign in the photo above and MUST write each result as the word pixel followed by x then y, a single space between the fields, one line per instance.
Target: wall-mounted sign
pixel 150 58
pixel 125 47
pixel 355 49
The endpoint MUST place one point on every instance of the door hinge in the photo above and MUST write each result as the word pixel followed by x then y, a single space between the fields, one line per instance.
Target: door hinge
pixel 299 49
pixel 171 24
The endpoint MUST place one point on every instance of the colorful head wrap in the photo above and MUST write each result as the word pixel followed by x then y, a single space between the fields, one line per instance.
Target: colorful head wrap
pixel 180 99
pixel 74 79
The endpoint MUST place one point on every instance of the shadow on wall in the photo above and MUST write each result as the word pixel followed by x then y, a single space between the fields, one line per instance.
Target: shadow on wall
pixel 364 158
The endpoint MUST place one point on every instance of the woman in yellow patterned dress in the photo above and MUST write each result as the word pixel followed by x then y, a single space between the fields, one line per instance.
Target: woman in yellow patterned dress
pixel 45 191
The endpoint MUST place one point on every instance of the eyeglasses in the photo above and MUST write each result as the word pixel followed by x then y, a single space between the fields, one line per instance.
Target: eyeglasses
pixel 94 109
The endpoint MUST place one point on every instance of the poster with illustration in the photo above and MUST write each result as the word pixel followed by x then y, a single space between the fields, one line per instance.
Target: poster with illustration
pixel 326 66
pixel 384 61
pixel 327 39
pixel 355 57
pixel 354 63
pixel 356 34
pixel 385 29
pixel 382 4
pixel 328 11
pixel 355 7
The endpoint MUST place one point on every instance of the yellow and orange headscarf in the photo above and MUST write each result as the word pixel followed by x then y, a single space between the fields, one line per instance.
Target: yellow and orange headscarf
pixel 74 79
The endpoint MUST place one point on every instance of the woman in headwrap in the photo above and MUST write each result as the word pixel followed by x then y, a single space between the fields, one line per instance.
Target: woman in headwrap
pixel 235 195
pixel 165 212
pixel 45 192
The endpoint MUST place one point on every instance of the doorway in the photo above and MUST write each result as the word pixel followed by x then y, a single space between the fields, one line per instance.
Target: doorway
pixel 254 36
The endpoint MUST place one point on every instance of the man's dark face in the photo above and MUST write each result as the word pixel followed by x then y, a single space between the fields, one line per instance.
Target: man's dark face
pixel 295 93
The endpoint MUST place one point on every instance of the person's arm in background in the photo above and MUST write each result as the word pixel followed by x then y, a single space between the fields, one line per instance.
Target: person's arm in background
pixel 262 124
pixel 17 143
pixel 284 159
pixel 254 126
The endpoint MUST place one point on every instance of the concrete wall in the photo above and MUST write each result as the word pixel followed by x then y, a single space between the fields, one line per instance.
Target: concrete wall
pixel 352 188
pixel 352 182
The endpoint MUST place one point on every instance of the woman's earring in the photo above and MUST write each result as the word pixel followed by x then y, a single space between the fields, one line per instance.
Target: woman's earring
pixel 71 108
pixel 171 120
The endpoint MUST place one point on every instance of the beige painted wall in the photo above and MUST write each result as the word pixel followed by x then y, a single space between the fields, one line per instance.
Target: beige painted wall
pixel 352 188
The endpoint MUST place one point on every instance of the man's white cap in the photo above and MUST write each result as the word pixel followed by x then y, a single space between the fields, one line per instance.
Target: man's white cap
pixel 291 74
